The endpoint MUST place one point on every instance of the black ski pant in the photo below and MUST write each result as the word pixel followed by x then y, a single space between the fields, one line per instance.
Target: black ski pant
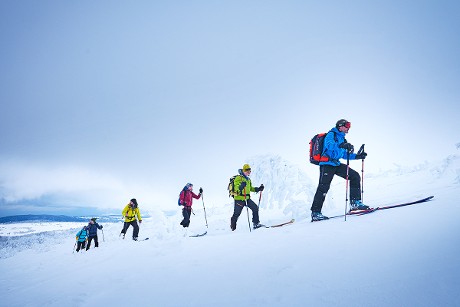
pixel 80 245
pixel 186 213
pixel 135 228
pixel 326 173
pixel 96 243
pixel 239 205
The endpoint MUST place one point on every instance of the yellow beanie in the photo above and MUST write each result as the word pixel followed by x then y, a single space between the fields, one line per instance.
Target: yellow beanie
pixel 246 167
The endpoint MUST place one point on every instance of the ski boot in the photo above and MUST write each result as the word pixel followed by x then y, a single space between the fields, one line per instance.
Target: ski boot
pixel 257 225
pixel 232 224
pixel 357 204
pixel 318 216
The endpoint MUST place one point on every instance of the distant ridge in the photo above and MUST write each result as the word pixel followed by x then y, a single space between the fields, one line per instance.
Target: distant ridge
pixel 54 218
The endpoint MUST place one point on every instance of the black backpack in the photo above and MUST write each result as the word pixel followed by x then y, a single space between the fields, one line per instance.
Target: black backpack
pixel 231 187
pixel 316 148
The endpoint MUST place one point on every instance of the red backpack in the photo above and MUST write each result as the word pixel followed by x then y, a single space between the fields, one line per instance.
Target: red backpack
pixel 316 148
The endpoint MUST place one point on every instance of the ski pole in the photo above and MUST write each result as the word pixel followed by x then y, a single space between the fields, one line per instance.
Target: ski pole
pixel 346 185
pixel 361 150
pixel 362 179
pixel 202 199
pixel 260 197
pixel 74 246
pixel 103 239
pixel 247 210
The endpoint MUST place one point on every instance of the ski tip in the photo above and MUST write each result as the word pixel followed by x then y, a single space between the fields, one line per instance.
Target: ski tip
pixel 199 235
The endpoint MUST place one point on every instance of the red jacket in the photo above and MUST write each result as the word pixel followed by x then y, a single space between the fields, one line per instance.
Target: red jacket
pixel 186 197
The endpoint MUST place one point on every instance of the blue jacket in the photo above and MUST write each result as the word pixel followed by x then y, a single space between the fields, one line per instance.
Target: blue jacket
pixel 332 150
pixel 82 235
pixel 92 229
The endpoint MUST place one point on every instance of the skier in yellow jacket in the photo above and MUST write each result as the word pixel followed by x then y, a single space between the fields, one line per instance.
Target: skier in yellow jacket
pixel 241 190
pixel 130 212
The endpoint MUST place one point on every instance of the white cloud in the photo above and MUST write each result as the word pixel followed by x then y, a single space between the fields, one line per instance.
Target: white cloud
pixel 25 181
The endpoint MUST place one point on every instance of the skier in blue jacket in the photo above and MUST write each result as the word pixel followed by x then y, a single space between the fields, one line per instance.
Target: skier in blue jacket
pixel 81 238
pixel 335 148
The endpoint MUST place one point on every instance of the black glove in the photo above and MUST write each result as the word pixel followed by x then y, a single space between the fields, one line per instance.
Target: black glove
pixel 362 155
pixel 259 189
pixel 201 190
pixel 102 226
pixel 347 146
pixel 242 185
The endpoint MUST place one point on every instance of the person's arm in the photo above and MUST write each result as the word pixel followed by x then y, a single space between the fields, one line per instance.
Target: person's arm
pixel 138 213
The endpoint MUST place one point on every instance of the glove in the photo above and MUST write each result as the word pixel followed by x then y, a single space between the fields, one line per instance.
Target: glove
pixel 362 155
pixel 201 190
pixel 140 221
pixel 242 185
pixel 259 189
pixel 102 226
pixel 347 146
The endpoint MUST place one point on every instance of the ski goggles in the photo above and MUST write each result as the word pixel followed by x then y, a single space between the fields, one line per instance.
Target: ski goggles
pixel 346 125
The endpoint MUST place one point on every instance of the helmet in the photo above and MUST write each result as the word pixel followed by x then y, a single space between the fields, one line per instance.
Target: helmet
pixel 343 122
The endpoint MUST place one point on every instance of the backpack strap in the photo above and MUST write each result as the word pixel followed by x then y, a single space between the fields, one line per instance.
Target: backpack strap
pixel 335 136
pixel 238 191
pixel 335 139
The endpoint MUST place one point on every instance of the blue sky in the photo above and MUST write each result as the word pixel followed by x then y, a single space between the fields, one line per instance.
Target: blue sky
pixel 104 101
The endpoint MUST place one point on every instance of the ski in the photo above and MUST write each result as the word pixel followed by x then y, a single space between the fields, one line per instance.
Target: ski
pixel 283 224
pixel 406 204
pixel 276 225
pixel 144 239
pixel 198 235
pixel 363 212
pixel 261 226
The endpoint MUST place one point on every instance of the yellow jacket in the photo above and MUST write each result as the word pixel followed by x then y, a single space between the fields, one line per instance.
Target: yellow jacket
pixel 130 215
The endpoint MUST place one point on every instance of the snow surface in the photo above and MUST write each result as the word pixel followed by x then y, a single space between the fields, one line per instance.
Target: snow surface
pixel 400 257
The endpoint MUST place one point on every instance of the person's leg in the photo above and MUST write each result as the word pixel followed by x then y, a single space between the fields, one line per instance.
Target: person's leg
pixel 135 230
pixel 186 214
pixel 238 207
pixel 89 242
pixel 326 174
pixel 353 177
pixel 125 228
pixel 255 211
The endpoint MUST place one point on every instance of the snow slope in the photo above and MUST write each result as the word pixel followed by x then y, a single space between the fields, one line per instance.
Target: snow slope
pixel 401 257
